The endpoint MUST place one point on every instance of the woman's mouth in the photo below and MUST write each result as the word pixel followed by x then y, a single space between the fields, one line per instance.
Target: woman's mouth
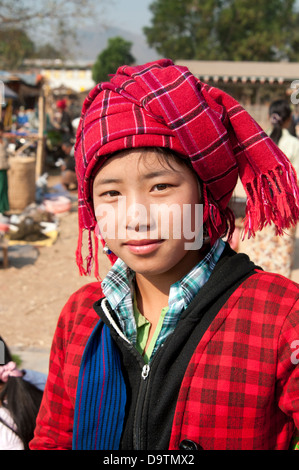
pixel 143 247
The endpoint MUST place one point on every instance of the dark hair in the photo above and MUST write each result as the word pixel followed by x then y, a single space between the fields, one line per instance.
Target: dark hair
pixel 165 155
pixel 168 154
pixel 279 112
pixel 68 140
pixel 22 400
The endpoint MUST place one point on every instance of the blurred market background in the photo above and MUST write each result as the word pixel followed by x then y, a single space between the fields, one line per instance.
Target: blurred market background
pixel 52 53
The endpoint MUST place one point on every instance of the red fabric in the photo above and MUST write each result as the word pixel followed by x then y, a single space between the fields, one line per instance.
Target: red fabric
pixel 61 104
pixel 244 359
pixel 240 390
pixel 164 105
pixel 54 427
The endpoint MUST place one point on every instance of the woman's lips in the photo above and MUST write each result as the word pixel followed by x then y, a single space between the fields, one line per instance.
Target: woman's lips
pixel 143 246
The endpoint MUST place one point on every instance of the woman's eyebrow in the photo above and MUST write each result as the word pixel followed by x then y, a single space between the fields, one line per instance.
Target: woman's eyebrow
pixel 154 174
pixel 107 181
pixel 145 176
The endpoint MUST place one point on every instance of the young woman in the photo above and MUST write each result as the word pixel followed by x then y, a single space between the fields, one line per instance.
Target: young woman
pixel 185 344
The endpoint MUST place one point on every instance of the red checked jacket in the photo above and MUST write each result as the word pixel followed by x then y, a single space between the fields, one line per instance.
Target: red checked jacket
pixel 232 385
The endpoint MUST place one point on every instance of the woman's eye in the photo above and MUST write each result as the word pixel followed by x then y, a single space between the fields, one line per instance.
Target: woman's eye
pixel 111 193
pixel 161 186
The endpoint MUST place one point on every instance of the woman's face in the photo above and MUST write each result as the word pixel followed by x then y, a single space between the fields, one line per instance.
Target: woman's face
pixel 149 212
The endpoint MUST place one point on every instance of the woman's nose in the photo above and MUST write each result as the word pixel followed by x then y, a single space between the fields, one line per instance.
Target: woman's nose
pixel 137 217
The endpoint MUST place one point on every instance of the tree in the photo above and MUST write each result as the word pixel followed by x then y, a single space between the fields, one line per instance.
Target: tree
pixel 47 51
pixel 262 30
pixel 15 45
pixel 117 53
pixel 48 19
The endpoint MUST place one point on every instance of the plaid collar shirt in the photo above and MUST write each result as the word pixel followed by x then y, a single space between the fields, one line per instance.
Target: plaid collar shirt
pixel 118 288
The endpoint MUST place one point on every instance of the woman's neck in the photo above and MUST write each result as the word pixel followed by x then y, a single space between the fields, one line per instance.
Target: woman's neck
pixel 152 290
pixel 151 296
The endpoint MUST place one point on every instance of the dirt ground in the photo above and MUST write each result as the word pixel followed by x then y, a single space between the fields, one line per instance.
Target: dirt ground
pixel 37 284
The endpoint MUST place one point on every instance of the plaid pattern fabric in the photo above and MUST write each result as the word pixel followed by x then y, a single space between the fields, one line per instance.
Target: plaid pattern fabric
pixel 240 390
pixel 54 426
pixel 246 354
pixel 164 105
pixel 118 289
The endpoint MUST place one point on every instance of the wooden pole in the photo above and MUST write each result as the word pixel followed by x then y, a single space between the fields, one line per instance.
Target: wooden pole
pixel 40 153
pixel 2 99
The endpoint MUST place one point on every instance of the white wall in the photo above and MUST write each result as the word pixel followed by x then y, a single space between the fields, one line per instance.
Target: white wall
pixel 78 80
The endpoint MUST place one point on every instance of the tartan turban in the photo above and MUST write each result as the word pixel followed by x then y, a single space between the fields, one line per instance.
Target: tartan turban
pixel 160 104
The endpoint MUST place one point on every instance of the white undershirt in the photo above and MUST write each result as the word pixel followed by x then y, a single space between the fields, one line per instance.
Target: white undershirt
pixel 8 439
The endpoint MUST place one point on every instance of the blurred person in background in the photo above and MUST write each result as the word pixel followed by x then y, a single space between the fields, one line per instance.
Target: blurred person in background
pixel 280 114
pixel 282 249
pixel 21 392
pixel 4 166
pixel 62 118
pixel 68 173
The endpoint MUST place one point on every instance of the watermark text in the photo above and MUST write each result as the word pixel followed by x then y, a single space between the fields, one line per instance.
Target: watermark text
pixel 159 221
pixel 295 93
pixel 2 93
pixel 2 353
pixel 295 353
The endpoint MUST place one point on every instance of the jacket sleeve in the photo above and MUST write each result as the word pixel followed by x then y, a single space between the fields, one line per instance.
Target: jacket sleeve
pixel 54 421
pixel 54 424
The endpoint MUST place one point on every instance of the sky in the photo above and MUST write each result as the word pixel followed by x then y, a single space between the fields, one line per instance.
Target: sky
pixel 130 15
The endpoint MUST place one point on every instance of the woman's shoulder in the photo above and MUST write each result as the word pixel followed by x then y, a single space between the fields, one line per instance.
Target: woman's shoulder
pixel 89 292
pixel 274 283
pixel 78 310
pixel 273 294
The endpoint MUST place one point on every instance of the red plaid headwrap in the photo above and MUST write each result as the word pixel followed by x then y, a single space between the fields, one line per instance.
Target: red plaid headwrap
pixel 163 105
